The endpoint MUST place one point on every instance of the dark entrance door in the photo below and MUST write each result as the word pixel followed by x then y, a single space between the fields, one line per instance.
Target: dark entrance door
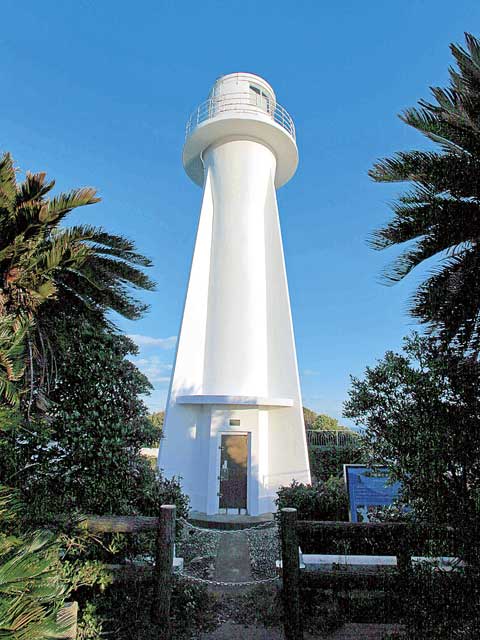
pixel 233 471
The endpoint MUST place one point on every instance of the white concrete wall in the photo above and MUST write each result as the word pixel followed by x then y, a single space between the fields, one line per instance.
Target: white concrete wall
pixel 184 447
pixel 290 460
pixel 236 360
pixel 237 83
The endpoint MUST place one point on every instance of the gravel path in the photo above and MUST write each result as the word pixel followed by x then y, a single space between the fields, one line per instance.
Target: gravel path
pixel 264 551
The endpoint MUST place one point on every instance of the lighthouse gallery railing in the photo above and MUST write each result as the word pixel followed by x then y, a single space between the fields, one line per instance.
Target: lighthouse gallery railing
pixel 245 102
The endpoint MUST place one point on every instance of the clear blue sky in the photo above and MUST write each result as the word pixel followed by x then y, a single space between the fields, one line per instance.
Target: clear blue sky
pixel 97 92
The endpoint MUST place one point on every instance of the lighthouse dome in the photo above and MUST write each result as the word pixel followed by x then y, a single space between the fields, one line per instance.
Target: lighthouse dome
pixel 243 83
pixel 241 106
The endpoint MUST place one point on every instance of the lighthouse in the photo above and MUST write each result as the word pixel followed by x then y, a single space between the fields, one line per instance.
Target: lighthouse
pixel 234 428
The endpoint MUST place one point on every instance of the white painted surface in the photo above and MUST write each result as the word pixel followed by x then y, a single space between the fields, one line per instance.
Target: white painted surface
pixel 149 452
pixel 178 565
pixel 253 401
pixel 325 562
pixel 236 352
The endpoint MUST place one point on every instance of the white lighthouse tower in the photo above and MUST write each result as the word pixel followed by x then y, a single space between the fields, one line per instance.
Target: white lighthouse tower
pixel 234 427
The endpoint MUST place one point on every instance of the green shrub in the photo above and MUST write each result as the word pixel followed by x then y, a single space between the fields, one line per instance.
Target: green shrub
pixel 329 461
pixel 122 611
pixel 320 612
pixel 259 605
pixel 321 501
pixel 83 452
pixel 439 604
pixel 89 623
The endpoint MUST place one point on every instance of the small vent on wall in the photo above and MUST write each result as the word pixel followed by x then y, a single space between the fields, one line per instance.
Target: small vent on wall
pixel 234 423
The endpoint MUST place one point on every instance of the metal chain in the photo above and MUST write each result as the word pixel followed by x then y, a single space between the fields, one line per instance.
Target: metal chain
pixel 221 583
pixel 262 525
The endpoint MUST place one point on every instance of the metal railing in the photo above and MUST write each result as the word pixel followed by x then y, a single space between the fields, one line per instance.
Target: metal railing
pixel 338 438
pixel 244 102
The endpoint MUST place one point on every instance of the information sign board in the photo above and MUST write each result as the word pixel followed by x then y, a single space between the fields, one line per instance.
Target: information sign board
pixel 368 489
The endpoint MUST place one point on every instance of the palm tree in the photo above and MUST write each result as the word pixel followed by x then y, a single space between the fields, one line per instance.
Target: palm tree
pixel 13 333
pixel 440 215
pixel 82 266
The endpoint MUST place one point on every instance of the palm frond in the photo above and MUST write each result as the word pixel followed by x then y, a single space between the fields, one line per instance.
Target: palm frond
pixel 60 205
pixel 8 184
pixel 33 188
pixel 113 271
pixel 440 223
pixel 440 216
pixel 468 61
pixel 449 300
pixel 39 262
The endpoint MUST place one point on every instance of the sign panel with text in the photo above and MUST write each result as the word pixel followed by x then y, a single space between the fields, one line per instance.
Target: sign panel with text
pixel 368 489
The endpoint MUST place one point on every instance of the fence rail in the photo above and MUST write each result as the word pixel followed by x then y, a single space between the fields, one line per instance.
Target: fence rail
pixel 402 540
pixel 375 538
pixel 337 438
pixel 118 524
pixel 164 554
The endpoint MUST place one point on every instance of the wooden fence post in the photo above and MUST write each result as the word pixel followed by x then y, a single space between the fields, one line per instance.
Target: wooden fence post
pixel 404 560
pixel 404 552
pixel 292 619
pixel 163 570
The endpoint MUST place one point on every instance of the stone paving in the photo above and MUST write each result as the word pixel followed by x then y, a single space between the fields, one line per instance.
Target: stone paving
pixel 233 559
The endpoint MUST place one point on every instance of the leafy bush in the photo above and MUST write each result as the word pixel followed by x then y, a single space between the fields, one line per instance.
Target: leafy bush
pixel 83 454
pixel 309 417
pixel 320 612
pixel 89 623
pixel 396 512
pixel 321 501
pixel 156 419
pixel 329 461
pixel 439 605
pixel 98 420
pixel 323 422
pixel 122 611
pixel 421 410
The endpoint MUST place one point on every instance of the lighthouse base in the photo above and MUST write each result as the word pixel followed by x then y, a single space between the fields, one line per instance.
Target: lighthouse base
pixel 233 458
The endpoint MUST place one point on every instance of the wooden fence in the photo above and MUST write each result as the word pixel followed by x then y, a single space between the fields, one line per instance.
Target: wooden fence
pixel 164 553
pixel 402 540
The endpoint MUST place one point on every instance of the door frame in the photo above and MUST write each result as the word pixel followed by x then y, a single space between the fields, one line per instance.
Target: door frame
pixel 233 432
